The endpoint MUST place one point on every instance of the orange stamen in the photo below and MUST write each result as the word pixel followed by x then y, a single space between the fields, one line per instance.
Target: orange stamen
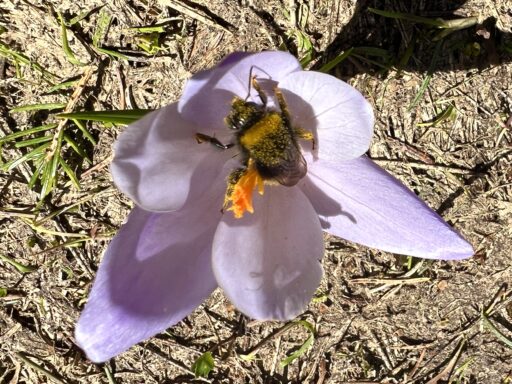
pixel 240 194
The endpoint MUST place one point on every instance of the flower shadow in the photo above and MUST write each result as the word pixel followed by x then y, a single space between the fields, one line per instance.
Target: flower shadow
pixel 479 46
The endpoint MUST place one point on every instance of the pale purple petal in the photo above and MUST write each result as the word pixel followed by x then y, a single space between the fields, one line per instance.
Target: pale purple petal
pixel 159 164
pixel 233 58
pixel 207 97
pixel 339 116
pixel 156 270
pixel 268 263
pixel 359 201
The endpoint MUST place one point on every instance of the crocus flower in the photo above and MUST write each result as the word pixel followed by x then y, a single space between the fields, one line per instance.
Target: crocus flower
pixel 177 246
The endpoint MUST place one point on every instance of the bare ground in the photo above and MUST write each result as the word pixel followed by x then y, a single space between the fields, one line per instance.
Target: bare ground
pixel 376 319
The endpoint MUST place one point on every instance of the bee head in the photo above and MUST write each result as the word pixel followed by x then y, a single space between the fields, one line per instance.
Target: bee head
pixel 244 114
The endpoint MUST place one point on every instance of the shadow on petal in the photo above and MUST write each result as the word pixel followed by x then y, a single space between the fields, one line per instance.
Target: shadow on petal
pixel 156 271
pixel 159 164
pixel 386 214
pixel 268 263
pixel 303 116
pixel 325 205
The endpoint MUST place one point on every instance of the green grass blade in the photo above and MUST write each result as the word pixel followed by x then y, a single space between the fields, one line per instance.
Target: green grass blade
pixel 81 16
pixel 372 51
pixel 496 331
pixel 70 173
pixel 454 24
pixel 19 58
pixel 407 16
pixel 337 60
pixel 149 43
pixel 421 91
pixel 448 113
pixel 427 79
pixel 203 365
pixel 81 126
pixel 159 28
pixel 35 176
pixel 101 28
pixel 65 44
pixel 304 347
pixel 376 63
pixel 20 267
pixel 404 60
pixel 38 107
pixel 64 85
pixel 32 142
pixel 28 156
pixel 49 175
pixel 114 117
pixel 26 132
pixel 74 145
pixel 113 54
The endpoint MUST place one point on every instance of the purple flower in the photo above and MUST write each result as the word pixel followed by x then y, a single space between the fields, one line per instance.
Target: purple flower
pixel 177 246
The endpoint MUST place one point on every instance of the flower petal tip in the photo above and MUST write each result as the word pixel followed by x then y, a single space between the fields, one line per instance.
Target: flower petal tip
pixel 461 250
pixel 93 351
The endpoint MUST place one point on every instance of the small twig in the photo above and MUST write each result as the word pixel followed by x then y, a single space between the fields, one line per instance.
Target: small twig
pixel 175 363
pixel 38 368
pixel 97 167
pixel 122 87
pixel 433 167
pixel 265 340
pixel 382 351
pixel 276 355
pixel 194 14
pixel 449 366
pixel 219 340
pixel 13 213
pixel 110 375
pixel 322 370
pixel 292 8
pixel 11 331
pixel 370 280
pixel 418 362
pixel 86 198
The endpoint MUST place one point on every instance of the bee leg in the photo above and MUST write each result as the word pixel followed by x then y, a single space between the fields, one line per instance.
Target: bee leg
pixel 304 134
pixel 283 105
pixel 233 179
pixel 202 138
pixel 301 133
pixel 258 89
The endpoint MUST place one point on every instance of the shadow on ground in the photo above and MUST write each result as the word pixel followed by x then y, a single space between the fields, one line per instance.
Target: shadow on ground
pixel 412 46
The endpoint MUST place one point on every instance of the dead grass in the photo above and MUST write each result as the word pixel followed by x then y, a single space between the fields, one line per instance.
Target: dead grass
pixel 425 327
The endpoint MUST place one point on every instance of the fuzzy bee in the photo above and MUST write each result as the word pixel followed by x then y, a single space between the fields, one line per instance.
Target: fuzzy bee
pixel 268 144
pixel 267 137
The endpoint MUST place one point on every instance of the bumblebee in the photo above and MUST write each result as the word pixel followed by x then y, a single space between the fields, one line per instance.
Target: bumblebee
pixel 269 147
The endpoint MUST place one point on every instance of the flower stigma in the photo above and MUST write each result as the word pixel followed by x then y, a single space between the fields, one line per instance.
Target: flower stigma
pixel 241 184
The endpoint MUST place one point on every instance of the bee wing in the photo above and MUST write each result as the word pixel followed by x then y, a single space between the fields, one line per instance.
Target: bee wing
pixel 291 170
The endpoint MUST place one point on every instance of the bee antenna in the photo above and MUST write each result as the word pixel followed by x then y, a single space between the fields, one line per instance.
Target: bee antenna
pixel 249 84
